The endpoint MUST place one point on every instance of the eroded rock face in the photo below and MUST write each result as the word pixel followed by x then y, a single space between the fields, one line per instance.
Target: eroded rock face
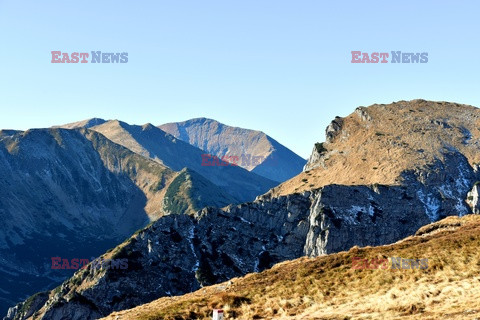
pixel 363 114
pixel 179 253
pixel 333 129
pixel 343 216
pixel 472 199
pixel 315 158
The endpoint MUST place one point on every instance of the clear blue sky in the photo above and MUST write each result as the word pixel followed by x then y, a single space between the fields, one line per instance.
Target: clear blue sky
pixel 282 67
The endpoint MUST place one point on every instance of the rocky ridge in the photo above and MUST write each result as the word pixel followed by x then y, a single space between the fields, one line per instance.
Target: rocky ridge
pixel 377 144
pixel 338 285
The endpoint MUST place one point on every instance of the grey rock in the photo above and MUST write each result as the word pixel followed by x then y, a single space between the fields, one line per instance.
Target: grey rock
pixel 333 129
pixel 363 114
pixel 473 199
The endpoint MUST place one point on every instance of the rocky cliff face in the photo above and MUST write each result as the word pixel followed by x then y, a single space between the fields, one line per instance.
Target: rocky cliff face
pixel 179 254
pixel 343 216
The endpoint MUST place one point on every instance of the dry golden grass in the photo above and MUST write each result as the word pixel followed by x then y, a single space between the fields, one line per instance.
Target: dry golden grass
pixel 328 288
pixel 399 136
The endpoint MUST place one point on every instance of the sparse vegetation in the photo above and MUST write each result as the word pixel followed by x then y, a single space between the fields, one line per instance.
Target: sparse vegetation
pixel 28 303
pixel 76 280
pixel 320 148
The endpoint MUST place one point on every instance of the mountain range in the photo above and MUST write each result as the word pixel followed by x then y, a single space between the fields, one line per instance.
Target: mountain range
pixel 383 173
pixel 151 142
pixel 75 191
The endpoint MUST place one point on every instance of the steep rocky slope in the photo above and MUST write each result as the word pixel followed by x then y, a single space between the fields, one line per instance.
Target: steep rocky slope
pixel 162 147
pixel 329 288
pixel 74 193
pixel 256 151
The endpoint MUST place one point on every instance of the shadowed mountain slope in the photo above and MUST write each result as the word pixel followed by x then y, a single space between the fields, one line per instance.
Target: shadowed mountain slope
pixel 74 194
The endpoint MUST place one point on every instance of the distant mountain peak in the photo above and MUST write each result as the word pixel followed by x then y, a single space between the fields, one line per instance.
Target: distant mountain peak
pixel 271 159
pixel 148 126
pixel 87 123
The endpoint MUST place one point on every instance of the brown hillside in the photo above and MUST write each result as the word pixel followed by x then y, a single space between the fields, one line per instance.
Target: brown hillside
pixel 375 144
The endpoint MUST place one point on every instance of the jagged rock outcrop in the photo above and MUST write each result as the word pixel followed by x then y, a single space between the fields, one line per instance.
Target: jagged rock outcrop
pixel 363 114
pixel 333 129
pixel 473 199
pixel 317 157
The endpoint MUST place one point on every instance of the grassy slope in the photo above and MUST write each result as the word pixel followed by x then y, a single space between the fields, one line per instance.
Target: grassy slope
pixel 190 192
pixel 328 288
